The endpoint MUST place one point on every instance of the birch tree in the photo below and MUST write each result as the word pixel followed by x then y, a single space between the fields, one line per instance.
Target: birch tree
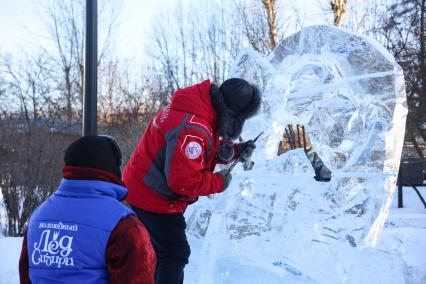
pixel 339 8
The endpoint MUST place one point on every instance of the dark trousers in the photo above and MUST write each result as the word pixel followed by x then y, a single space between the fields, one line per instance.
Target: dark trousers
pixel 167 232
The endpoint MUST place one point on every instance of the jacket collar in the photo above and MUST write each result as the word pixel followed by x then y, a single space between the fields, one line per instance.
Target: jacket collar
pixel 77 188
pixel 85 173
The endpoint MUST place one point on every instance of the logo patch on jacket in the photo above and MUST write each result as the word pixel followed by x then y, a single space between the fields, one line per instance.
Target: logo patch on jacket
pixel 54 246
pixel 193 150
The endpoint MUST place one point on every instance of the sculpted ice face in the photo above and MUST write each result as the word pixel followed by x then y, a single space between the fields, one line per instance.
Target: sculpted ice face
pixel 349 93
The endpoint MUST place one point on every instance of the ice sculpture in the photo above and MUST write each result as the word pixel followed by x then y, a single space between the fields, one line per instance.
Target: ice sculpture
pixel 349 93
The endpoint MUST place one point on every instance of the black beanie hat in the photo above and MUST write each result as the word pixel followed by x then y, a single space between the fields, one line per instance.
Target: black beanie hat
pixel 238 94
pixel 235 101
pixel 95 151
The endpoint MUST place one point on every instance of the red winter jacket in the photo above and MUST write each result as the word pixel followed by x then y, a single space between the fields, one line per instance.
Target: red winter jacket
pixel 173 164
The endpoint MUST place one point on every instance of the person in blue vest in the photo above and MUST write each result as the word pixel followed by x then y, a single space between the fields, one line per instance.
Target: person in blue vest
pixel 83 233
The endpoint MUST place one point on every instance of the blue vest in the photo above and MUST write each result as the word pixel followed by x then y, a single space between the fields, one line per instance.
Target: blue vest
pixel 68 234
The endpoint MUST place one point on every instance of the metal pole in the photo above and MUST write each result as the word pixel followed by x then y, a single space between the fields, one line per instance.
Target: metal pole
pixel 419 195
pixel 400 196
pixel 90 69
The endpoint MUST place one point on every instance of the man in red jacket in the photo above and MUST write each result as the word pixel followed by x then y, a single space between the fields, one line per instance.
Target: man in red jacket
pixel 107 243
pixel 173 164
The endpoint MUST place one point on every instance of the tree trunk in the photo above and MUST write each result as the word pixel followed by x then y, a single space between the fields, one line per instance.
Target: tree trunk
pixel 270 7
pixel 339 8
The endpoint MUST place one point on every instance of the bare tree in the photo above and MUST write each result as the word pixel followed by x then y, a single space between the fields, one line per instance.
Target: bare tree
pixel 43 93
pixel 403 33
pixel 270 7
pixel 356 15
pixel 294 135
pixel 31 167
pixel 165 53
pixel 128 97
pixel 253 19
pixel 202 46
pixel 64 24
pixel 363 16
pixel 339 8
pixel 30 143
pixel 27 85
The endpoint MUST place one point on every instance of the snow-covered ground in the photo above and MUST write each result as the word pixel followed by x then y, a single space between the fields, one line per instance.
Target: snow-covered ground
pixel 10 248
pixel 404 235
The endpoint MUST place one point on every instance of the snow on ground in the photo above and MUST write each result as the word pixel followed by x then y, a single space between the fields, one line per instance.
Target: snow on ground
pixel 404 235
pixel 403 241
pixel 10 249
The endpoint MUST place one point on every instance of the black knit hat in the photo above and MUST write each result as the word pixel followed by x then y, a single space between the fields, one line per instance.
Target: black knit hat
pixel 238 94
pixel 235 101
pixel 95 151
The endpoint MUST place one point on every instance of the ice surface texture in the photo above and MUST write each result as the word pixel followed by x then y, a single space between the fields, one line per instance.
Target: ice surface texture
pixel 349 93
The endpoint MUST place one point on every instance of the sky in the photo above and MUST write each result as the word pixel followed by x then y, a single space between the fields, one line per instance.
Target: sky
pixel 135 22
pixel 18 19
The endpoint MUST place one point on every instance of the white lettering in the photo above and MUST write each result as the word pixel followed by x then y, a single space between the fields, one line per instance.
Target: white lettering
pixel 46 250
pixel 58 226
pixel 65 243
pixel 165 113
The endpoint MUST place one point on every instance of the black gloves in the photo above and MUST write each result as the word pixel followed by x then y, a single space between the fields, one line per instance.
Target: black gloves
pixel 226 178
pixel 226 153
pixel 246 150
